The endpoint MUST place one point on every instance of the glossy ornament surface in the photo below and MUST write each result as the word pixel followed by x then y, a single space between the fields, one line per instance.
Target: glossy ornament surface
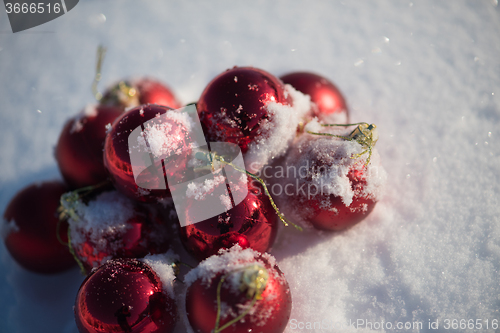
pixel 134 92
pixel 166 144
pixel 124 295
pixel 233 105
pixel 31 229
pixel 329 103
pixel 252 288
pixel 252 223
pixel 80 146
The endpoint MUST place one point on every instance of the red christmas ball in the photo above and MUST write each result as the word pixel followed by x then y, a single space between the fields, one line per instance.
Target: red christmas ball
pixel 31 229
pixel 114 226
pixel 329 103
pixel 329 184
pixel 160 140
pixel 338 216
pixel 138 91
pixel 248 290
pixel 126 295
pixel 80 146
pixel 251 223
pixel 233 106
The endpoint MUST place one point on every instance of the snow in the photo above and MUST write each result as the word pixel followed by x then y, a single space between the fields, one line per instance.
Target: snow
pixel 227 261
pixel 6 227
pixel 233 263
pixel 425 72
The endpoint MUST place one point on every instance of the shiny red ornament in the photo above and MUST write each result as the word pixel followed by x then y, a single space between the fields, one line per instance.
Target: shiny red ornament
pixel 31 229
pixel 124 295
pixel 233 105
pixel 112 226
pixel 242 277
pixel 252 223
pixel 334 188
pixel 80 146
pixel 329 103
pixel 135 92
pixel 170 135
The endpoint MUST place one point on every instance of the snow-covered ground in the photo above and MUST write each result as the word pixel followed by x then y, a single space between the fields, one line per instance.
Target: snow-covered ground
pixel 427 73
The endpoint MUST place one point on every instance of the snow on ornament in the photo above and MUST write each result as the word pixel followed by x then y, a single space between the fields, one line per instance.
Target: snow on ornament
pixel 113 226
pixel 81 143
pixel 32 232
pixel 252 108
pixel 328 103
pixel 333 177
pixel 238 290
pixel 137 91
pixel 128 296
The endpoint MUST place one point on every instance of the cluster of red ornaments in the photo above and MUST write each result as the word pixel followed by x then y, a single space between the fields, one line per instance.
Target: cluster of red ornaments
pixel 124 293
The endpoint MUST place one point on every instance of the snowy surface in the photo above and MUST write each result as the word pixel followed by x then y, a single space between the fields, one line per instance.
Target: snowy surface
pixel 426 73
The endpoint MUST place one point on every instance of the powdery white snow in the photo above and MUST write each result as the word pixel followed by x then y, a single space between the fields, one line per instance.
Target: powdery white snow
pixel 274 136
pixel 425 72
